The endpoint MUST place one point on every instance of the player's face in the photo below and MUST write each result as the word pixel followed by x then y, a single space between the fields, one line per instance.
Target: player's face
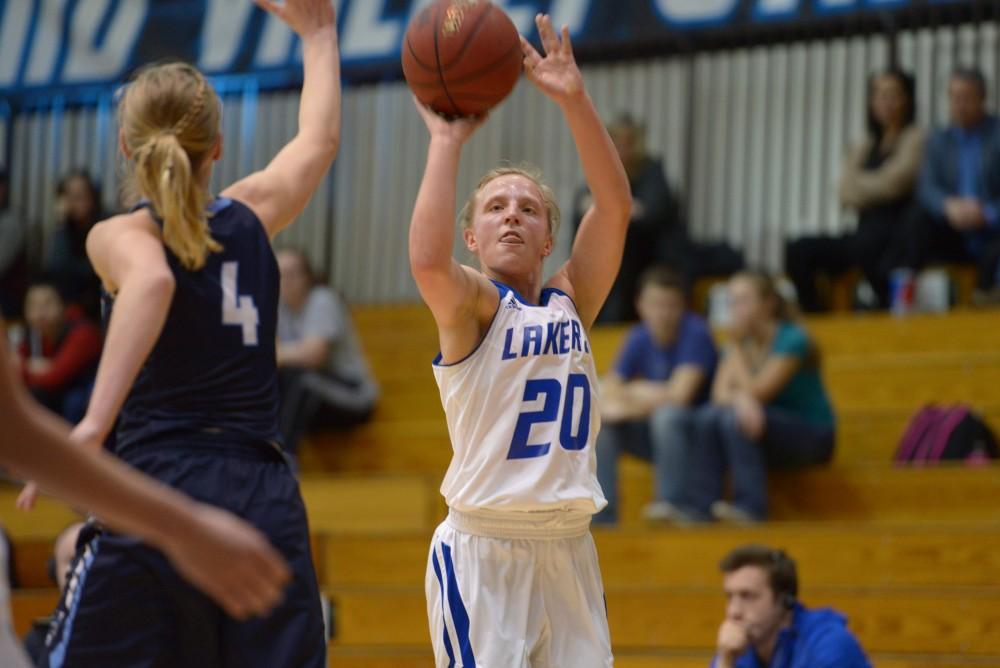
pixel 966 102
pixel 661 309
pixel 510 228
pixel 746 308
pixel 751 603
pixel 43 310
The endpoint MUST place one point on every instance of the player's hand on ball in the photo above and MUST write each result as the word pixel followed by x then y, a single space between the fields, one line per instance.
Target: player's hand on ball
pixel 231 562
pixel 458 129
pixel 302 16
pixel 557 74
pixel 26 499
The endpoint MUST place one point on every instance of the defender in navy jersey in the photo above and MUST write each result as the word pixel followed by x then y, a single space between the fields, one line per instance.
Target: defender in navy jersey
pixel 212 375
pixel 191 343
pixel 224 556
pixel 512 576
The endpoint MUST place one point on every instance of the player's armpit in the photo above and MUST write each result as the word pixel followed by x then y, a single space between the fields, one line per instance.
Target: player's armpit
pixel 279 193
pixel 588 275
pixel 123 244
pixel 462 324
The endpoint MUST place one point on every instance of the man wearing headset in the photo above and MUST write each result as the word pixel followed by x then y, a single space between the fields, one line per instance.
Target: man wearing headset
pixel 765 624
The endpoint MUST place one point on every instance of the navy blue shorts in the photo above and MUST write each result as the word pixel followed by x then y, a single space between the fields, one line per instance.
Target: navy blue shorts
pixel 125 606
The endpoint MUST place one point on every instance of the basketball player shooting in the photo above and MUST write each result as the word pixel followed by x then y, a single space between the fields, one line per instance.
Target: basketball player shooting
pixel 513 578
pixel 228 559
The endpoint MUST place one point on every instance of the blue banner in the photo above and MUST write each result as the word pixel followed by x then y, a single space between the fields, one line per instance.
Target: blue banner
pixel 78 48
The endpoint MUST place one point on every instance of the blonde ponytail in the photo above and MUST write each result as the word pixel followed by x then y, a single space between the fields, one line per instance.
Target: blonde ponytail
pixel 170 127
pixel 163 174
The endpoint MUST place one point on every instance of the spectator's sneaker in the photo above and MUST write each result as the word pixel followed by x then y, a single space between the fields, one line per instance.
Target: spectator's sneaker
pixel 664 511
pixel 733 514
pixel 865 298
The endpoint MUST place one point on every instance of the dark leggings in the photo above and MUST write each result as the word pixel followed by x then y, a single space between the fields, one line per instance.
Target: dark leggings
pixel 789 442
pixel 871 248
pixel 310 399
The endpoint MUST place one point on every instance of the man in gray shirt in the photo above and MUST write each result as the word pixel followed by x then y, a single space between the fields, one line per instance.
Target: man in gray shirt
pixel 324 378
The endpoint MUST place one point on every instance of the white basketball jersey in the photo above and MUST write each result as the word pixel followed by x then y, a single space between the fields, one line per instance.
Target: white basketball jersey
pixel 523 413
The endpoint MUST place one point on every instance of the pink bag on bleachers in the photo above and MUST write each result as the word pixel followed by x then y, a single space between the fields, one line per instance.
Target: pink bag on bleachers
pixel 946 433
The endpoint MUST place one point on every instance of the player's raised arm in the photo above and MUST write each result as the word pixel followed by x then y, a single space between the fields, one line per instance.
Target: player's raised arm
pixel 449 289
pixel 597 251
pixel 279 192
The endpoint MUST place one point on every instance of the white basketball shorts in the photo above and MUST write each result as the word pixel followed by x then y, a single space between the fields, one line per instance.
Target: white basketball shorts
pixel 515 595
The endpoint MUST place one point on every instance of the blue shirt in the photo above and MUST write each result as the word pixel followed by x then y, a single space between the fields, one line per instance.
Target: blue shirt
pixel 641 357
pixel 969 144
pixel 816 639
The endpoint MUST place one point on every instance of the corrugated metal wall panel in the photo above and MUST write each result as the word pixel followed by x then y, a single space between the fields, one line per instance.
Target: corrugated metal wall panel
pixel 753 143
pixel 775 170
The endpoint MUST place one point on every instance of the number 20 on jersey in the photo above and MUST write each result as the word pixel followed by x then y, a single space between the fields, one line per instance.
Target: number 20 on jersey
pixel 550 391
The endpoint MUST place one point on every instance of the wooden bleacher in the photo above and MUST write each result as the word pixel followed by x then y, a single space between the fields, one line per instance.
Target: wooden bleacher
pixel 916 360
pixel 938 622
pixel 911 556
pixel 840 291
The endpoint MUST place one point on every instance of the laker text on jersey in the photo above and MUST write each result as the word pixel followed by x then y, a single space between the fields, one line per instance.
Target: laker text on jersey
pixel 556 338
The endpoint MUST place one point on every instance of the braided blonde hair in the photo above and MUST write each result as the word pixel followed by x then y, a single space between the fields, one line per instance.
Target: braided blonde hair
pixel 170 119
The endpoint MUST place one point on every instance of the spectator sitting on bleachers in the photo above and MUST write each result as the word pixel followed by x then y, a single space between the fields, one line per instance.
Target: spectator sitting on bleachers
pixel 770 407
pixel 766 625
pixel 656 231
pixel 664 368
pixel 59 355
pixel 79 209
pixel 958 219
pixel 323 376
pixel 877 179
pixel 13 253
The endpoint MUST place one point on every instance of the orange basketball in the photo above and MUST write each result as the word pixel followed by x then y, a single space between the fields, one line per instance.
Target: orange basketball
pixel 461 57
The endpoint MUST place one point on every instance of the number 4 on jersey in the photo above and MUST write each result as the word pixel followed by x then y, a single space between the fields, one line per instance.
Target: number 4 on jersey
pixel 238 309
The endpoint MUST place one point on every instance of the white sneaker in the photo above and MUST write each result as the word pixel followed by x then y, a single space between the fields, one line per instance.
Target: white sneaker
pixel 728 512
pixel 664 511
